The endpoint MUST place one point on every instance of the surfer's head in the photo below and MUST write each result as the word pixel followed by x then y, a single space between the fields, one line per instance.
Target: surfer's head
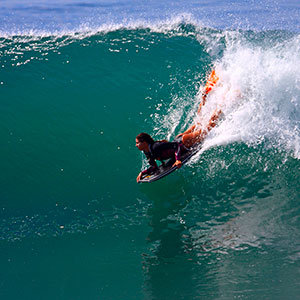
pixel 143 140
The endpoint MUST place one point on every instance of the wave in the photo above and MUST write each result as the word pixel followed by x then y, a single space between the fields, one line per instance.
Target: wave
pixel 259 89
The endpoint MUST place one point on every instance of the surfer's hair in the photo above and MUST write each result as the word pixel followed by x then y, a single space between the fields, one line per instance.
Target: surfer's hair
pixel 145 137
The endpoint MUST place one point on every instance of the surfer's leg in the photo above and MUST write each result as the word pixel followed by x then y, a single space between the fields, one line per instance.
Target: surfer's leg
pixel 213 120
pixel 211 82
pixel 204 96
pixel 192 138
pixel 189 130
pixel 198 136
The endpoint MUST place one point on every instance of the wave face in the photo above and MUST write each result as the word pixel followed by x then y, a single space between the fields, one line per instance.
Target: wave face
pixel 71 106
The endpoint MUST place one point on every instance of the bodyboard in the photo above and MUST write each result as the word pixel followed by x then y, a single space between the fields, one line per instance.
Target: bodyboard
pixel 166 168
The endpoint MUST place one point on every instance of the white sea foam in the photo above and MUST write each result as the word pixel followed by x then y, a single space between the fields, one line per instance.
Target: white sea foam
pixel 259 93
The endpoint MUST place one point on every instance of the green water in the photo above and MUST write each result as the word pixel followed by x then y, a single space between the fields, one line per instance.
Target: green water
pixel 74 222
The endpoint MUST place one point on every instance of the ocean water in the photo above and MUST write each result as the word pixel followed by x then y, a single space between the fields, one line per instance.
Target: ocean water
pixel 79 80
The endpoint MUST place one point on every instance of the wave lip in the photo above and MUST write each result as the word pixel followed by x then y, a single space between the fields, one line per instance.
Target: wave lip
pixel 74 16
pixel 87 28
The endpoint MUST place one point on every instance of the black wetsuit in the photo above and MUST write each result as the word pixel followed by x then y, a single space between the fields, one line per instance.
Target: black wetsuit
pixel 162 151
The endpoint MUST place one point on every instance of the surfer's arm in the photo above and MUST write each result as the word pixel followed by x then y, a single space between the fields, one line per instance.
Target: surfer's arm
pixel 204 95
pixel 153 167
pixel 139 177
pixel 178 162
pixel 150 170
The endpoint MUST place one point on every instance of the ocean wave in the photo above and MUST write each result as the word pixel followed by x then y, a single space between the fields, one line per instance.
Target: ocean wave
pixel 173 24
pixel 259 90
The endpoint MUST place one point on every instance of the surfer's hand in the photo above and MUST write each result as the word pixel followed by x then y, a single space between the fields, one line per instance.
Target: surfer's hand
pixel 139 177
pixel 177 164
pixel 179 135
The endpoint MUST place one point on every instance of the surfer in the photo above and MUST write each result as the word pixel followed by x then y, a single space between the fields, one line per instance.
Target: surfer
pixel 162 150
pixel 157 150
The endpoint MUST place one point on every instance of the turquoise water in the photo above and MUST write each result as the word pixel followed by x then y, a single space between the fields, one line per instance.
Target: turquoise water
pixel 74 222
